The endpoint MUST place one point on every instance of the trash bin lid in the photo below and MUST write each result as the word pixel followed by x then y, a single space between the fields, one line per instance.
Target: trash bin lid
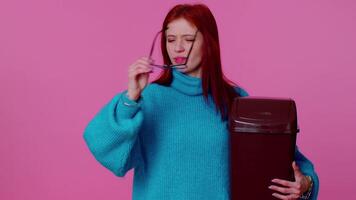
pixel 263 115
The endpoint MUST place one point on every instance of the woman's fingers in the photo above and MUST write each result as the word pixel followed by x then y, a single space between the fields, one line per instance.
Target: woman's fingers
pixel 137 64
pixel 283 190
pixel 145 61
pixel 138 76
pixel 288 189
pixel 284 182
pixel 139 69
pixel 286 197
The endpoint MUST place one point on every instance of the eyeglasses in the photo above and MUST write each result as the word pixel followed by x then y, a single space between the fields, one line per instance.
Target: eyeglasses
pixel 170 66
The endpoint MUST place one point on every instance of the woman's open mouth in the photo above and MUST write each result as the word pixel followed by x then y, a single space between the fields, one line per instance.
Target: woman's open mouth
pixel 180 60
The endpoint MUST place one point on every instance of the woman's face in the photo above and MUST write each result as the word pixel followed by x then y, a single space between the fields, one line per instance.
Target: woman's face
pixel 180 36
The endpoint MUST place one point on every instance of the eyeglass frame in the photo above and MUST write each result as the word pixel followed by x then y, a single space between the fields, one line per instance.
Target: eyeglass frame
pixel 170 66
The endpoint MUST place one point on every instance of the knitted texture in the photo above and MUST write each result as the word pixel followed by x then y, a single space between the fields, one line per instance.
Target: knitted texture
pixel 177 143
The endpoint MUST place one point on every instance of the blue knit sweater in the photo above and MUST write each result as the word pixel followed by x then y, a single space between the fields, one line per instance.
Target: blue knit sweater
pixel 175 141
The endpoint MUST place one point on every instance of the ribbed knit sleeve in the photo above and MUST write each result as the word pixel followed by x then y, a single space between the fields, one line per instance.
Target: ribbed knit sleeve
pixel 112 135
pixel 307 168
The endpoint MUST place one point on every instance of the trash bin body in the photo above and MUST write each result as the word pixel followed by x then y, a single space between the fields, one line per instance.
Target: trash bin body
pixel 263 137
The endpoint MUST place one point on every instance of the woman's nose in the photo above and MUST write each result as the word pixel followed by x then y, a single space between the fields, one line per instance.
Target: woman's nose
pixel 179 46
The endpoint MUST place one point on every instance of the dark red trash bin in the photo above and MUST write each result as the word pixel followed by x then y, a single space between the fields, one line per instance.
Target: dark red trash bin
pixel 263 136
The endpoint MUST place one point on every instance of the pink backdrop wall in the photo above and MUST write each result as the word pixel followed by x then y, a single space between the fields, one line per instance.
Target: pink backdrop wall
pixel 62 60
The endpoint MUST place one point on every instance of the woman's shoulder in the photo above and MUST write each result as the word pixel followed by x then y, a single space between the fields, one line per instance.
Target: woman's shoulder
pixel 242 92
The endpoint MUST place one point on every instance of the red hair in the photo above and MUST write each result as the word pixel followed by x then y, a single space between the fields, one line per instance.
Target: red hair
pixel 213 80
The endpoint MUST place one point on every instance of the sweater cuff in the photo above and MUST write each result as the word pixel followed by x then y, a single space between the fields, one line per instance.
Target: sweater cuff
pixel 126 107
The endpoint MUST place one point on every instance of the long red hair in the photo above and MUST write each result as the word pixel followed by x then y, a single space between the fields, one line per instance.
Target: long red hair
pixel 213 80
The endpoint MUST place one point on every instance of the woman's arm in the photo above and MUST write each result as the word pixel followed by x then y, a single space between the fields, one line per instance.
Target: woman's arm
pixel 297 189
pixel 112 135
pixel 307 168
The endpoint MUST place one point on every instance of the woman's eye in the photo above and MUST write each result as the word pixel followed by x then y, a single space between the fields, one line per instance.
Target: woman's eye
pixel 188 40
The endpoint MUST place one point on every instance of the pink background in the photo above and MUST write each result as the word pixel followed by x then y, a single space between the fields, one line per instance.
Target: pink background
pixel 62 60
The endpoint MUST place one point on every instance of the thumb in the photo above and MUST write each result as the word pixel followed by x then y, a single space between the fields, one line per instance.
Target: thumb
pixel 296 168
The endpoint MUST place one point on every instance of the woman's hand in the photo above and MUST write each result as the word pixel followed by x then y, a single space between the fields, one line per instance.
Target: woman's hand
pixel 291 190
pixel 138 77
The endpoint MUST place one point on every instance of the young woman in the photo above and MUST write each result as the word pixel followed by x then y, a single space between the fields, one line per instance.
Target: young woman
pixel 173 131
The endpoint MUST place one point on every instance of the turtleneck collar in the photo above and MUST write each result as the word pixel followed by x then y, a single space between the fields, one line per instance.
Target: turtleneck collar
pixel 186 84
